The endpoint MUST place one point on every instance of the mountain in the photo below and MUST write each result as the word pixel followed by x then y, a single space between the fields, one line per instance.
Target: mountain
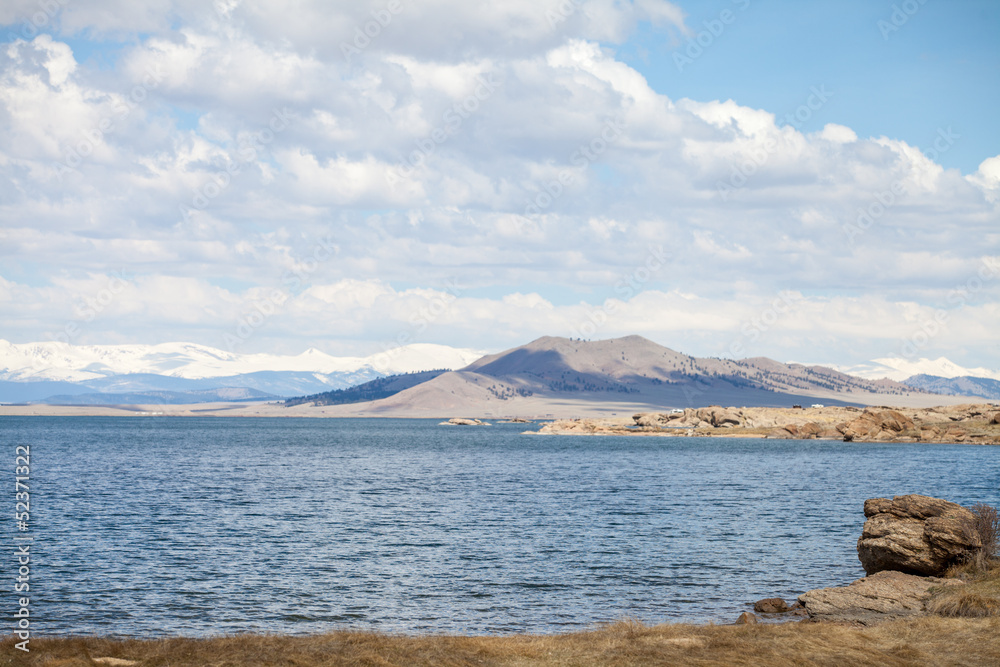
pixel 562 376
pixel 938 376
pixel 962 386
pixel 900 369
pixel 369 391
pixel 37 371
pixel 27 392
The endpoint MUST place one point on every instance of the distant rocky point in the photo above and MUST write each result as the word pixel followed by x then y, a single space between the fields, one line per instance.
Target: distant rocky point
pixel 460 421
pixel 976 424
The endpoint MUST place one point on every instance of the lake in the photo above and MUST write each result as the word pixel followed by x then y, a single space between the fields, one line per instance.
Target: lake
pixel 152 526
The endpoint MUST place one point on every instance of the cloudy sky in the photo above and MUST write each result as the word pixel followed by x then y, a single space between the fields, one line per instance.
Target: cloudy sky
pixel 811 181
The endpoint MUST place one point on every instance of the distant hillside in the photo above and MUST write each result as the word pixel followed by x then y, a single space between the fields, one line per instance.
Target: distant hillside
pixel 625 364
pixel 962 386
pixel 225 394
pixel 369 391
pixel 564 376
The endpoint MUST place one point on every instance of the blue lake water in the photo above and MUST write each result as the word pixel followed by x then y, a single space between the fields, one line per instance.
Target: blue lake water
pixel 153 526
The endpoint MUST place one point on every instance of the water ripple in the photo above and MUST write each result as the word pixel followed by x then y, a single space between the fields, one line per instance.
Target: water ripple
pixel 197 526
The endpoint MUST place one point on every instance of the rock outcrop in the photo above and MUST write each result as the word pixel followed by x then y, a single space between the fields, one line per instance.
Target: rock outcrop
pixel 970 423
pixel 878 597
pixel 876 425
pixel 654 419
pixel 459 421
pixel 714 416
pixel 905 544
pixel 770 606
pixel 719 417
pixel 916 534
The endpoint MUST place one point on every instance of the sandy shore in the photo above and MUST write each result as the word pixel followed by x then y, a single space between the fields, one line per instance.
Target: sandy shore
pixel 531 408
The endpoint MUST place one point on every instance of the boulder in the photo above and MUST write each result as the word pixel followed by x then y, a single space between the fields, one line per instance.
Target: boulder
pixel 651 419
pixel 875 425
pixel 878 597
pixel 929 433
pixel 746 618
pixel 807 431
pixel 459 421
pixel 916 534
pixel 770 606
pixel 810 430
pixel 955 434
pixel 726 419
pixel 719 417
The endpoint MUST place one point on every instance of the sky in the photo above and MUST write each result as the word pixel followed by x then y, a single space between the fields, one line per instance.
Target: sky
pixel 809 181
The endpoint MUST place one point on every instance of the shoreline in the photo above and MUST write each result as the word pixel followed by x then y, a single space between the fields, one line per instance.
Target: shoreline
pixel 888 622
pixel 969 423
pixel 977 423
pixel 923 640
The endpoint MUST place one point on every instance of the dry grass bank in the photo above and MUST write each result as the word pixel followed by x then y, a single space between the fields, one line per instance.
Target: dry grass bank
pixel 980 596
pixel 927 641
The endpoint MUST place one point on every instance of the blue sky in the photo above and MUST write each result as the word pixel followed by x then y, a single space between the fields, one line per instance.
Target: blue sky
pixel 252 184
pixel 939 69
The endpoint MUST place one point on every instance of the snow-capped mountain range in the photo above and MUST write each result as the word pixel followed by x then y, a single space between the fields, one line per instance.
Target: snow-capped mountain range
pixel 899 369
pixel 37 371
pixel 77 363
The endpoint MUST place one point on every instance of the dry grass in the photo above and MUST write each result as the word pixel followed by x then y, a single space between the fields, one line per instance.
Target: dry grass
pixel 979 597
pixel 984 522
pixel 926 641
pixel 988 526
pixel 966 605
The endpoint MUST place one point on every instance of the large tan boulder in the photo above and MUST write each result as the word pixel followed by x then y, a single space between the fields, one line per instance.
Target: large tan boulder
pixel 653 419
pixel 770 606
pixel 461 421
pixel 719 417
pixel 915 534
pixel 878 597
pixel 876 425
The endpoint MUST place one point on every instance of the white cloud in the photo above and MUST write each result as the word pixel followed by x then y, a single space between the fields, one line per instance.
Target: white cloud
pixel 357 159
pixel 988 178
pixel 838 134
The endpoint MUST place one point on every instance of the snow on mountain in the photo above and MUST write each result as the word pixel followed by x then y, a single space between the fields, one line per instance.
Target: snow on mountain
pixel 78 363
pixel 901 369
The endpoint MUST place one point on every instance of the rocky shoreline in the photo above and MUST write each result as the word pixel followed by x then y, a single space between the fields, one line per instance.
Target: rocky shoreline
pixel 969 423
pixel 908 547
pixel 891 616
